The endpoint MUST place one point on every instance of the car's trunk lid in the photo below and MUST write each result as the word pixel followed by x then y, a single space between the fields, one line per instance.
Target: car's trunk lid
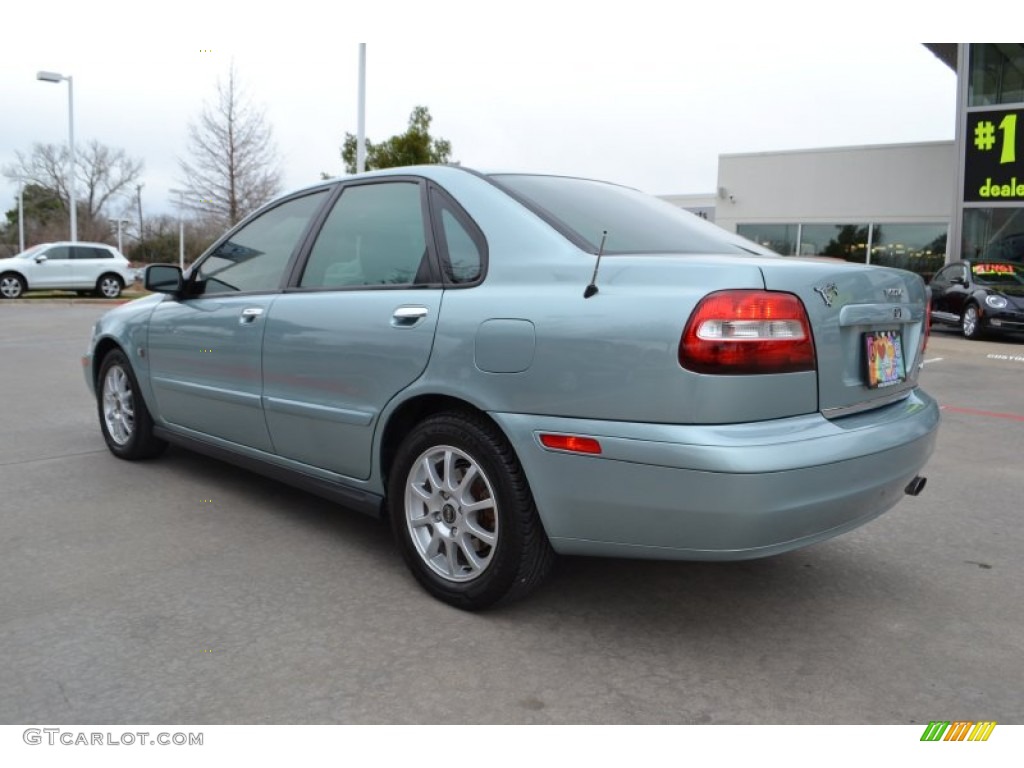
pixel 862 318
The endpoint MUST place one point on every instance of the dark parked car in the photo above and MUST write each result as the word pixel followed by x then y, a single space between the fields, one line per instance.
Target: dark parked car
pixel 979 296
pixel 510 366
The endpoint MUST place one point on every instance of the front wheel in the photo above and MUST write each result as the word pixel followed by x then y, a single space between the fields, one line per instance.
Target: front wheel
pixel 109 286
pixel 970 323
pixel 125 420
pixel 463 515
pixel 11 285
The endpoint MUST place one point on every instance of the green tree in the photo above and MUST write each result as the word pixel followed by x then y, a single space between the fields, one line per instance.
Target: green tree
pixel 414 147
pixel 44 216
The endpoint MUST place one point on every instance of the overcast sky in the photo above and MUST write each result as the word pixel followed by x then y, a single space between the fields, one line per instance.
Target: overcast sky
pixel 646 94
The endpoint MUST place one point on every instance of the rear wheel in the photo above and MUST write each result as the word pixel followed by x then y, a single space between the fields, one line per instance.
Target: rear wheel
pixel 463 515
pixel 109 286
pixel 970 322
pixel 12 285
pixel 125 420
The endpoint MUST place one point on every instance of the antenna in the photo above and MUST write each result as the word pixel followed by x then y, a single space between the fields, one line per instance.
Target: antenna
pixel 591 289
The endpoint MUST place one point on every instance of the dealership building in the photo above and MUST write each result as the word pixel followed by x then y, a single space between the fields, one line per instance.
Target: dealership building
pixel 913 206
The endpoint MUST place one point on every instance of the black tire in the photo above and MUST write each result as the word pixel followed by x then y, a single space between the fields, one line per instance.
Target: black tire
pixel 466 571
pixel 109 286
pixel 128 427
pixel 970 323
pixel 12 286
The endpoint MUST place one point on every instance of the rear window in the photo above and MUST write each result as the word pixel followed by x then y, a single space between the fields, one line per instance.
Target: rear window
pixel 636 222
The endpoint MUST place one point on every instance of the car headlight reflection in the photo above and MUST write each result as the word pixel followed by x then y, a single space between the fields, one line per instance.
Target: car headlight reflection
pixel 996 302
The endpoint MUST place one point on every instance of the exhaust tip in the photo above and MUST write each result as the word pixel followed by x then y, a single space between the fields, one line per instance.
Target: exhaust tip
pixel 915 486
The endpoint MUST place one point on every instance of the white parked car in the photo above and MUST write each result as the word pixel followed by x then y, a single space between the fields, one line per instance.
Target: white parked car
pixel 83 267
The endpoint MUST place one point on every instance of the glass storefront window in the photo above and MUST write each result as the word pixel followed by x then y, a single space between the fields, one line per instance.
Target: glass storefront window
pixel 993 233
pixel 780 238
pixel 918 248
pixel 841 241
pixel 996 74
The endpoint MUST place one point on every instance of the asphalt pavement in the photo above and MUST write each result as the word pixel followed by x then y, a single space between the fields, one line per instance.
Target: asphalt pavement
pixel 185 590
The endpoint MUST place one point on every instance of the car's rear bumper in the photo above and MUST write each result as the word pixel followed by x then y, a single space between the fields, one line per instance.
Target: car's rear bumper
pixel 721 492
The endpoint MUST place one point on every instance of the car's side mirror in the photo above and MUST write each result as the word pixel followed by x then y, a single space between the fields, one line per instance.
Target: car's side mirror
pixel 163 278
pixel 40 258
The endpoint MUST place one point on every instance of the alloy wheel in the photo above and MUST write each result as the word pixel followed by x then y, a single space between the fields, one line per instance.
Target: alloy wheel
pixel 451 513
pixel 118 405
pixel 970 322
pixel 10 287
pixel 110 287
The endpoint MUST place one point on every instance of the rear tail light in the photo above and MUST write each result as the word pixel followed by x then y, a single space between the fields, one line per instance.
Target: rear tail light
pixel 747 332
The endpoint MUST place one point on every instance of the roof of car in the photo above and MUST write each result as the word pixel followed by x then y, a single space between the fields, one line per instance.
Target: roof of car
pixel 69 242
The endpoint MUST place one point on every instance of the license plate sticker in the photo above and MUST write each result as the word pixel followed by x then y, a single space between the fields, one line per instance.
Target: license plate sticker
pixel 883 354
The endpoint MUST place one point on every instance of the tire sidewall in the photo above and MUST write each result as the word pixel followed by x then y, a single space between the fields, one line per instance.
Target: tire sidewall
pixel 499 575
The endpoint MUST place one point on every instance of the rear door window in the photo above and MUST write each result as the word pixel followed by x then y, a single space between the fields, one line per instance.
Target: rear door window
pixel 373 237
pixel 91 252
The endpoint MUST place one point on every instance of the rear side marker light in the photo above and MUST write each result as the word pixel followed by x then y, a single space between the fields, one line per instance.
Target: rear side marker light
pixel 748 332
pixel 571 443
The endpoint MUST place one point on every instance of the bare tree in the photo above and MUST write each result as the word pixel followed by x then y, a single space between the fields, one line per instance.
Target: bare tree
pixel 234 162
pixel 103 172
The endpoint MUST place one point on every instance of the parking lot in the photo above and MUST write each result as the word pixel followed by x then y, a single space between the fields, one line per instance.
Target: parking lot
pixel 188 591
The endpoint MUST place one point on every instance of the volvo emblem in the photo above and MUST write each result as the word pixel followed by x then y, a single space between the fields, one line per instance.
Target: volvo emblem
pixel 897 313
pixel 829 292
pixel 894 293
pixel 448 514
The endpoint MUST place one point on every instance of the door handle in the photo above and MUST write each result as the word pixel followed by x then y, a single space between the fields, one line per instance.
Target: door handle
pixel 249 314
pixel 407 317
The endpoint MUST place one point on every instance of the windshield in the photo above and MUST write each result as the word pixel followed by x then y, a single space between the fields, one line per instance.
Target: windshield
pixel 30 252
pixel 636 223
pixel 998 273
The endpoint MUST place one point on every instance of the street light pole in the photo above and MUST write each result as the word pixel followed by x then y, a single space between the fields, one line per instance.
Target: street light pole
pixel 361 121
pixel 181 226
pixel 56 77
pixel 21 214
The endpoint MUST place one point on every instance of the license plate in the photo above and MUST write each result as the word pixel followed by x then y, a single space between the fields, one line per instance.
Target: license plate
pixel 883 355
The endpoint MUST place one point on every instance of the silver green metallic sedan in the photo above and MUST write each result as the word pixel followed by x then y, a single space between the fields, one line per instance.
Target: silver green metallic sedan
pixel 510 366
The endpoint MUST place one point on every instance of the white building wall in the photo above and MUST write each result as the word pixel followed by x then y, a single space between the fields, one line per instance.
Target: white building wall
pixel 878 184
